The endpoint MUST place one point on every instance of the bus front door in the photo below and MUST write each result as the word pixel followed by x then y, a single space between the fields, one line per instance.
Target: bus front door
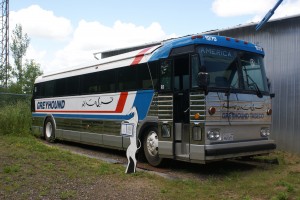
pixel 181 111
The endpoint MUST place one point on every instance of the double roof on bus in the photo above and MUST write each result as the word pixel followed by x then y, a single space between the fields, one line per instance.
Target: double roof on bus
pixel 152 53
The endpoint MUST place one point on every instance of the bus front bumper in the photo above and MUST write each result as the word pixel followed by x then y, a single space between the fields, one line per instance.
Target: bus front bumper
pixel 231 150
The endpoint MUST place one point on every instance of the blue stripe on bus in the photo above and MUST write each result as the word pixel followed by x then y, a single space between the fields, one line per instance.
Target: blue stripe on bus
pixel 82 116
pixel 142 103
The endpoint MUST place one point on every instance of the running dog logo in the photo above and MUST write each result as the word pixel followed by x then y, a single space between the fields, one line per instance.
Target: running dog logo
pixel 129 130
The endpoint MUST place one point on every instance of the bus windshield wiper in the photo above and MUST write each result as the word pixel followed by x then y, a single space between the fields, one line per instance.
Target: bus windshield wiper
pixel 258 92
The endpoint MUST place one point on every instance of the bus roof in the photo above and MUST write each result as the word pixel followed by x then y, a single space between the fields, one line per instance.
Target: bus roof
pixel 152 53
pixel 164 51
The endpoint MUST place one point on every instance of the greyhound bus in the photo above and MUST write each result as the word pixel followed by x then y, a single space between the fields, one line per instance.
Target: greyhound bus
pixel 198 98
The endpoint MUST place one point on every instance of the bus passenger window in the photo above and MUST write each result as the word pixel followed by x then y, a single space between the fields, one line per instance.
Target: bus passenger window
pixel 144 76
pixel 89 83
pixel 60 87
pixel 165 75
pixel 107 81
pixel 72 86
pixel 38 90
pixel 154 73
pixel 127 79
pixel 49 89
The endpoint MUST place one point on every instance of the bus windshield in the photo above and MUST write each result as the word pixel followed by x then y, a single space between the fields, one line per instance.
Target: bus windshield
pixel 231 69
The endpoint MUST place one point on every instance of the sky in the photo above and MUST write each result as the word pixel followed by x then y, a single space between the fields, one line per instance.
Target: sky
pixel 66 33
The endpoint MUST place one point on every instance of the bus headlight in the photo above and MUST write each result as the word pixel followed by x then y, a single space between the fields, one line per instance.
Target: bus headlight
pixel 265 132
pixel 213 134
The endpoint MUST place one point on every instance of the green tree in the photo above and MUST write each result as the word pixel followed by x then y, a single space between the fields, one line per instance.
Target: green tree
pixel 30 73
pixel 20 43
pixel 24 76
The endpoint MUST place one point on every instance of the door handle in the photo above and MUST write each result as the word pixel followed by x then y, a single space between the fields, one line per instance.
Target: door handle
pixel 186 110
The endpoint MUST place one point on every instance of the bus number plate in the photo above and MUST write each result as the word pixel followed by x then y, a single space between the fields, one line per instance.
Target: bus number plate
pixel 228 137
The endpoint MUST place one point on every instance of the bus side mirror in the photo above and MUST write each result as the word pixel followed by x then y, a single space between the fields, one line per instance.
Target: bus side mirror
pixel 203 81
pixel 272 95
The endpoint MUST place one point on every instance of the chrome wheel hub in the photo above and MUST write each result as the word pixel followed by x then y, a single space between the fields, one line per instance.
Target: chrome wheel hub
pixel 48 130
pixel 152 143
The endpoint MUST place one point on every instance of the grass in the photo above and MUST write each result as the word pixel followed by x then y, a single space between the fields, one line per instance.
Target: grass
pixel 15 118
pixel 30 169
pixel 68 194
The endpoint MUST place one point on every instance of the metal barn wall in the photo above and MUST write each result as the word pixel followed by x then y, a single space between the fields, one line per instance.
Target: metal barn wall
pixel 281 42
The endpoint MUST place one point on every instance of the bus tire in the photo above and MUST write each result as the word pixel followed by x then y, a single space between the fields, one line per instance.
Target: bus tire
pixel 49 130
pixel 150 145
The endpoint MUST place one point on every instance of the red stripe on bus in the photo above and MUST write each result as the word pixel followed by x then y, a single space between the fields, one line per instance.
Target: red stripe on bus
pixel 140 56
pixel 119 109
pixel 121 102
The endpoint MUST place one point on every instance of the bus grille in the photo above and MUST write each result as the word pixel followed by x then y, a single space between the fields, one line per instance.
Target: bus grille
pixel 197 105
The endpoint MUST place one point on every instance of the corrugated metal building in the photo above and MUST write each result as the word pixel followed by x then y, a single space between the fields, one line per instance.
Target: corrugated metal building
pixel 280 39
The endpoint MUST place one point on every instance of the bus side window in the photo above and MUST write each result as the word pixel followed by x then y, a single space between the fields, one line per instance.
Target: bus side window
pixel 89 83
pixel 107 81
pixel 127 78
pixel 154 73
pixel 72 86
pixel 49 89
pixel 60 87
pixel 38 90
pixel 166 75
pixel 147 76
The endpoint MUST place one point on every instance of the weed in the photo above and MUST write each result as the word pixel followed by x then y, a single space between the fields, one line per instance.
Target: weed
pixel 44 191
pixel 281 196
pixel 109 169
pixel 11 169
pixel 68 194
pixel 164 191
pixel 288 186
pixel 15 119
pixel 104 169
pixel 246 198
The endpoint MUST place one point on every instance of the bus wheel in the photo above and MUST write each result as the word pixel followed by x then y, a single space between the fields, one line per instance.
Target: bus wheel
pixel 150 144
pixel 49 130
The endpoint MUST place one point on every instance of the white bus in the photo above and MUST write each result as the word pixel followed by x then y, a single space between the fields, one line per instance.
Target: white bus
pixel 199 98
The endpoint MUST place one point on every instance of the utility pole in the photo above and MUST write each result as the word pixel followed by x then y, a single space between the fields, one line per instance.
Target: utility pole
pixel 4 39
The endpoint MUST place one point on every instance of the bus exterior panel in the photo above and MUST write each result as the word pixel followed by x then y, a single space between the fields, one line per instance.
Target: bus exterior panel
pixel 92 119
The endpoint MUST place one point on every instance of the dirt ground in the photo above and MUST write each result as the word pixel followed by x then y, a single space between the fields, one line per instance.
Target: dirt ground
pixel 170 170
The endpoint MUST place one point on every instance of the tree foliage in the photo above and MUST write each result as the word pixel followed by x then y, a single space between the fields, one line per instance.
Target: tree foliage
pixel 22 76
pixel 20 43
pixel 31 72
